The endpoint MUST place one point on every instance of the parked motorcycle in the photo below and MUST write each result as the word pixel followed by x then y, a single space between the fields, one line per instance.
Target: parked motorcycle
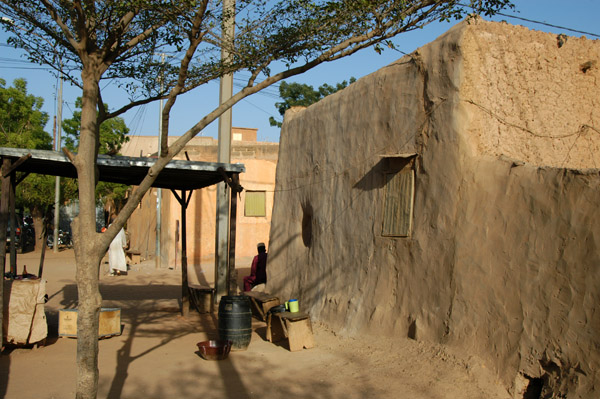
pixel 24 235
pixel 64 239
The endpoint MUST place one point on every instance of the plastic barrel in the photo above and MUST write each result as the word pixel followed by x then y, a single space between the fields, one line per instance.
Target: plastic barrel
pixel 235 321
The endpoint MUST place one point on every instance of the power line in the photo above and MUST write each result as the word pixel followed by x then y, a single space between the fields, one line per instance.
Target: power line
pixel 548 24
pixel 257 107
pixel 262 92
pixel 533 21
pixel 33 68
pixel 4 59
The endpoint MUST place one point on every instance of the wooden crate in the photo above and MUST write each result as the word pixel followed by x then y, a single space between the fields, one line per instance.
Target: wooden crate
pixel 110 322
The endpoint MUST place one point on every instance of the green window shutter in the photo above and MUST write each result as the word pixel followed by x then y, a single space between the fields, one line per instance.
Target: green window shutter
pixel 399 192
pixel 256 204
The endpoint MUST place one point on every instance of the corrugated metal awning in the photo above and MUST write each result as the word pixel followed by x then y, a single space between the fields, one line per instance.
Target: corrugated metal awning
pixel 177 175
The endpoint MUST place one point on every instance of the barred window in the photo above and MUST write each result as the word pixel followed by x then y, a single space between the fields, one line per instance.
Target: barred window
pixel 398 208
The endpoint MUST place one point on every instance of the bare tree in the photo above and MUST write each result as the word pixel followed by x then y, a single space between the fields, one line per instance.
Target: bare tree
pixel 88 41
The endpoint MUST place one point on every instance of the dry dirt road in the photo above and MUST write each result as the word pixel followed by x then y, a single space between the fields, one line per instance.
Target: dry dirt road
pixel 155 357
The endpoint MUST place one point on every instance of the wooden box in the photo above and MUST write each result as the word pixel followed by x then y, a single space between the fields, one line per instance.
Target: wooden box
pixel 296 328
pixel 110 322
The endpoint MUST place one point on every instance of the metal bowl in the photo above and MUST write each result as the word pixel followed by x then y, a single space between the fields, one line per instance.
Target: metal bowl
pixel 214 349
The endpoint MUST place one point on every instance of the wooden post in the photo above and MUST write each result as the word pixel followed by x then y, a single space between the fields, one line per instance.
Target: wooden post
pixel 4 207
pixel 232 229
pixel 13 225
pixel 45 230
pixel 185 293
pixel 3 222
pixel 9 184
pixel 185 290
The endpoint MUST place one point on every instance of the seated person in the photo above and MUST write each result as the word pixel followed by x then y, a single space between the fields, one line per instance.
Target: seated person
pixel 258 270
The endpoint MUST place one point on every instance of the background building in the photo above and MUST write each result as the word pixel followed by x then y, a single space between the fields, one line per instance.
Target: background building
pixel 254 204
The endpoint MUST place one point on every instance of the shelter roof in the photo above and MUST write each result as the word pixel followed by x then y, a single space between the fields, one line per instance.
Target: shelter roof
pixel 178 174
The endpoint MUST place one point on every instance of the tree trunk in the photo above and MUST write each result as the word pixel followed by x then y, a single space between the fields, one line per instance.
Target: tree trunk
pixel 90 302
pixel 89 248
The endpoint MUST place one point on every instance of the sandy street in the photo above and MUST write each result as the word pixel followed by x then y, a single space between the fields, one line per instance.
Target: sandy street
pixel 156 357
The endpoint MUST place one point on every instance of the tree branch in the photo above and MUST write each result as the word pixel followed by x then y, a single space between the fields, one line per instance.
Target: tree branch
pixel 195 38
pixel 111 44
pixel 69 155
pixel 64 28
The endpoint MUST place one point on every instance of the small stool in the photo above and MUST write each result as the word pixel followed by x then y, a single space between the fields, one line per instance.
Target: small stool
pixel 261 303
pixel 201 298
pixel 295 327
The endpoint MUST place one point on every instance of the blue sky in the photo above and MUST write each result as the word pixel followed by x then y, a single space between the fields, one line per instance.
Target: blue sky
pixel 254 112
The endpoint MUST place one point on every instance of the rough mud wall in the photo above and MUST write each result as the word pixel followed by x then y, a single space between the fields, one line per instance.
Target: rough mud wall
pixel 502 261
pixel 321 246
pixel 326 246
pixel 533 96
pixel 530 97
pixel 526 274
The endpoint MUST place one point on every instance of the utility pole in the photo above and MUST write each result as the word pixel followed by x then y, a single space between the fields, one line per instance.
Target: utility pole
pixel 159 190
pixel 57 182
pixel 224 156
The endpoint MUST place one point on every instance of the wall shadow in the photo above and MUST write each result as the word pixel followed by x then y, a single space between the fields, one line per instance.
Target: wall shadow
pixel 122 292
pixel 375 179
pixel 4 373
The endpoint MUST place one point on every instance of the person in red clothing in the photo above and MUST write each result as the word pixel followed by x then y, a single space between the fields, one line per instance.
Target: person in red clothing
pixel 258 270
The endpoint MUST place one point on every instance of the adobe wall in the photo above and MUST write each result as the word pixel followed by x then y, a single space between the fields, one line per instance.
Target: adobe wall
pixel 530 99
pixel 201 219
pixel 260 160
pixel 526 281
pixel 502 261
pixel 531 96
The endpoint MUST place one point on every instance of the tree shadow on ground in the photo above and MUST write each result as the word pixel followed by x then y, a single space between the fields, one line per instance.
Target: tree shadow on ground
pixel 146 311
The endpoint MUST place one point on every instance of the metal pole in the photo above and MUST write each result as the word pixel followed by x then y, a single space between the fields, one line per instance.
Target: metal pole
pixel 159 190
pixel 57 182
pixel 224 155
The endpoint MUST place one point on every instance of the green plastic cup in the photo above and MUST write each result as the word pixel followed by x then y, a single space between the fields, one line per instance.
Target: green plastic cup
pixel 293 305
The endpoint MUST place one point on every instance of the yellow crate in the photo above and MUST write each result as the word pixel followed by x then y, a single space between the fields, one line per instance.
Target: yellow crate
pixel 110 322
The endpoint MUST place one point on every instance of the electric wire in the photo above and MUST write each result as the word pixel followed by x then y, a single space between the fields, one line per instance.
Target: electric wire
pixel 549 25
pixel 533 21
pixel 259 108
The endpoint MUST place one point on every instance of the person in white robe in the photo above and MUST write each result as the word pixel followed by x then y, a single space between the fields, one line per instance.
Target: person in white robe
pixel 116 254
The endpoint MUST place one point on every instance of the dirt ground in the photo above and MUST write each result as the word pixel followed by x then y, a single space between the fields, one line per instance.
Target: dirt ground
pixel 156 355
